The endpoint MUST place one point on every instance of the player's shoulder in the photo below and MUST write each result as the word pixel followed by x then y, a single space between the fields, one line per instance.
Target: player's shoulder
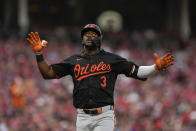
pixel 71 57
pixel 107 53
pixel 112 55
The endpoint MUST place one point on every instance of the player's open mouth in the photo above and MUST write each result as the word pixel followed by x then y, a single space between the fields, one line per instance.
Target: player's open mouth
pixel 89 41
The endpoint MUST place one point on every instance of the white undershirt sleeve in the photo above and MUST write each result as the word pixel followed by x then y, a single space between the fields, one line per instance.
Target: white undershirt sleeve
pixel 145 71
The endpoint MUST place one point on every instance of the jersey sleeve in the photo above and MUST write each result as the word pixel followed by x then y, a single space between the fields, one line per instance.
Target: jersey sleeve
pixel 62 68
pixel 128 68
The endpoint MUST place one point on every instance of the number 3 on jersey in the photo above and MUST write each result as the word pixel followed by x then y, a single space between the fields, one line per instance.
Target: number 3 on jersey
pixel 103 84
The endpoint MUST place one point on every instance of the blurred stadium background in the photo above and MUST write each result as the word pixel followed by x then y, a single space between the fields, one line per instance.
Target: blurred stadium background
pixel 132 29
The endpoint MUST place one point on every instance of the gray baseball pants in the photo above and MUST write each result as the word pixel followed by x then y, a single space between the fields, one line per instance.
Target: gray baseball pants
pixel 101 122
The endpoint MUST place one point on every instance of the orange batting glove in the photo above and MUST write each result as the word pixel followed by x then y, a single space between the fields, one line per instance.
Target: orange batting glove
pixel 163 62
pixel 36 44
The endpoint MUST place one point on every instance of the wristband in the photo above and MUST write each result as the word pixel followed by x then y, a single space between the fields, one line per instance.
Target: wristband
pixel 39 58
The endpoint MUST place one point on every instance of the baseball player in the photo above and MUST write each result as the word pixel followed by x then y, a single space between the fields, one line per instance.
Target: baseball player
pixel 94 73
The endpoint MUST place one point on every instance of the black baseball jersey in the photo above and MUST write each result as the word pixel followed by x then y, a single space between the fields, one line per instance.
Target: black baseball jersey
pixel 94 77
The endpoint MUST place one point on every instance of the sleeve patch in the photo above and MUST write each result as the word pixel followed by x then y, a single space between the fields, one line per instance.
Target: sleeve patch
pixel 132 70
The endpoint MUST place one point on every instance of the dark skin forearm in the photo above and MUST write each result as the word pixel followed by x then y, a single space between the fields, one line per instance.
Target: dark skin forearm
pixel 46 70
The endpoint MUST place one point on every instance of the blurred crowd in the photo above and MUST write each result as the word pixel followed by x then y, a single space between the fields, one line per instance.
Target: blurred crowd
pixel 165 102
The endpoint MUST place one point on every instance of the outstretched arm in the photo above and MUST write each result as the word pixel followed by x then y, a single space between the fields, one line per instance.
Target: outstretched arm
pixel 160 64
pixel 37 46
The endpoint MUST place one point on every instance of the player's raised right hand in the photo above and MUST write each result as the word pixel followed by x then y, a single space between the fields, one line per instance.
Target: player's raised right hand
pixel 36 44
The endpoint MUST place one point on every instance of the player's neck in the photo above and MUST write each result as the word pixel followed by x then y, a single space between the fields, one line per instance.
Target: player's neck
pixel 91 52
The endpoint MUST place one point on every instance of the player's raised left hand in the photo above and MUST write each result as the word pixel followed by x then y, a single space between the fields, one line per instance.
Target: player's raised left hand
pixel 163 62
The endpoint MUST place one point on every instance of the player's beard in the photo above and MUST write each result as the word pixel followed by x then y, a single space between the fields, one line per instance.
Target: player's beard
pixel 96 43
pixel 90 47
